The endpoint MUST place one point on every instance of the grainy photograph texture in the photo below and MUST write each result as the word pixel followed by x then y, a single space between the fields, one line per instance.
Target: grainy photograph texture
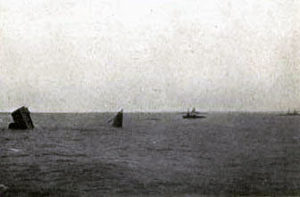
pixel 149 98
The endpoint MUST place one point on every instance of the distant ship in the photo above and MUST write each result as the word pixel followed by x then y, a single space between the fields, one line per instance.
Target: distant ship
pixel 294 113
pixel 193 114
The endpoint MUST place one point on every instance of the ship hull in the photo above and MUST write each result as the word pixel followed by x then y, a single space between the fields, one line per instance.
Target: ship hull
pixel 290 115
pixel 193 117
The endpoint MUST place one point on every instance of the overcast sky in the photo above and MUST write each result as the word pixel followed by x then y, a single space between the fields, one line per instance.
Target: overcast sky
pixel 149 55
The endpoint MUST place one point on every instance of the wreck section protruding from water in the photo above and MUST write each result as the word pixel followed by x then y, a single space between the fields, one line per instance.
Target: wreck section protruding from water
pixel 118 120
pixel 22 119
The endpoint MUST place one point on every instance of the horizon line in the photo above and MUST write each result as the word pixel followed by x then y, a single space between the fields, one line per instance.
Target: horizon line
pixel 152 111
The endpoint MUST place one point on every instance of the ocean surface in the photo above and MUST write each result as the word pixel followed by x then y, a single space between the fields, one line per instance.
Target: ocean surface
pixel 154 154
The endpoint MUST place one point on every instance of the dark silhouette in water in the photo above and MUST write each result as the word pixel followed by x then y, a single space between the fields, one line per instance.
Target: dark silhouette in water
pixel 192 115
pixel 22 119
pixel 294 113
pixel 118 120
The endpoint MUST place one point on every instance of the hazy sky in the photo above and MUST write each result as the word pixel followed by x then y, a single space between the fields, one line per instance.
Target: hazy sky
pixel 103 55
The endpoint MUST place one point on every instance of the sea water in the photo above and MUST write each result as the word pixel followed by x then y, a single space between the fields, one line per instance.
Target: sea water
pixel 154 154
